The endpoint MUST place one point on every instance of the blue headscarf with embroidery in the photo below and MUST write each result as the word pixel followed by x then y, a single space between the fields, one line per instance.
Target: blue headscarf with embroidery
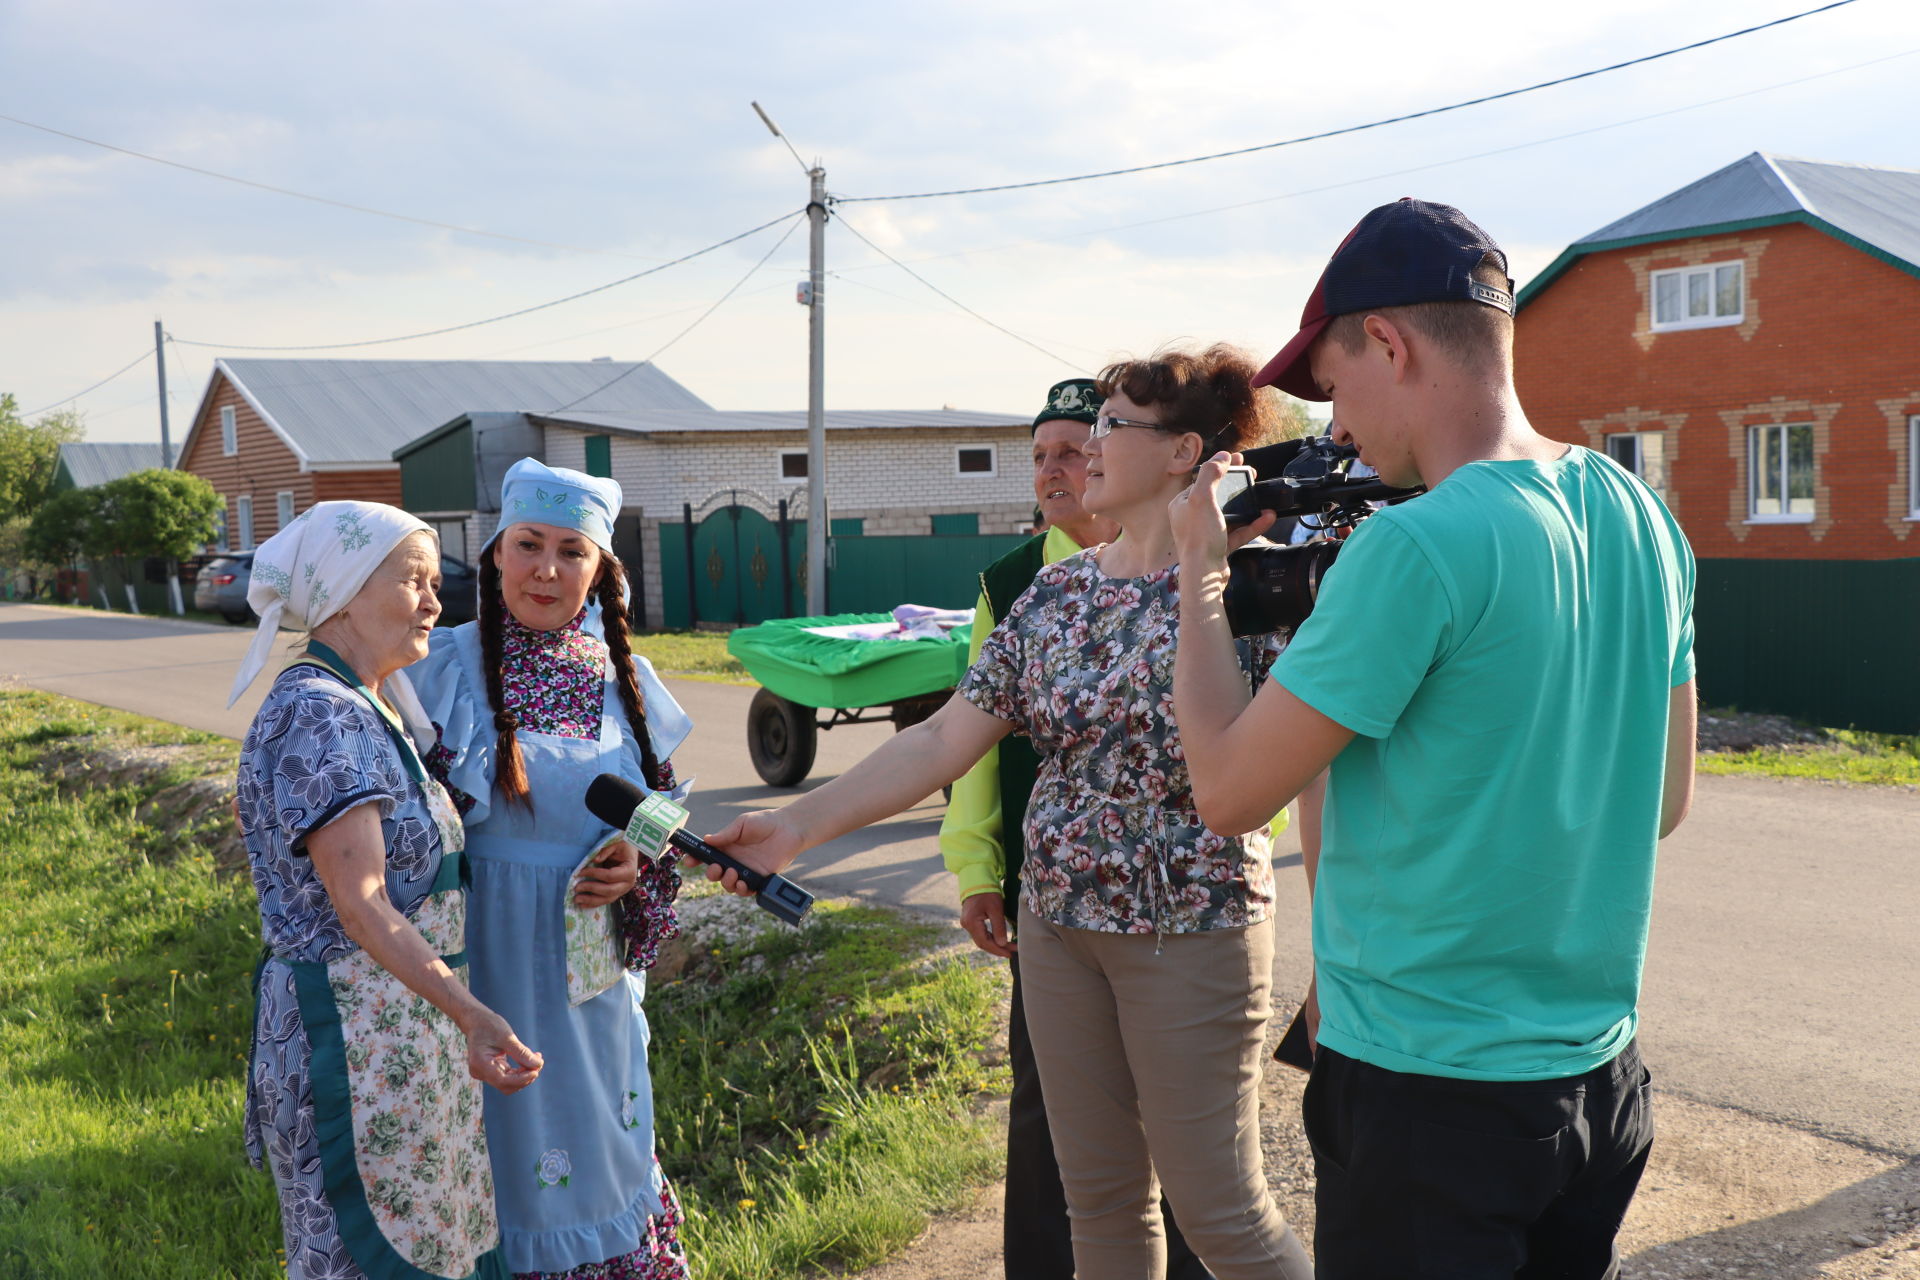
pixel 536 493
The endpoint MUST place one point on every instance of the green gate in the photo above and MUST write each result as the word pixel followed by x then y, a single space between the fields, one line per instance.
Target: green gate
pixel 734 572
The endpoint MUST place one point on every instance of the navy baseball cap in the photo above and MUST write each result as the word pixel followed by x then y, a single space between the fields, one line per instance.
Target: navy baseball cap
pixel 1401 253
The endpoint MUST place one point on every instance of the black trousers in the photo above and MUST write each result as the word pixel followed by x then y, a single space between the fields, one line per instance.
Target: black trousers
pixel 1038 1240
pixel 1421 1176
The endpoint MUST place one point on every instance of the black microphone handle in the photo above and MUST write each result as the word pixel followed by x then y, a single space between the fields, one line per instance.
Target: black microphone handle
pixel 694 847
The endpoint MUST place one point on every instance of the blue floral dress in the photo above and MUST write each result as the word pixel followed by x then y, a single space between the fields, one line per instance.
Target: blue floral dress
pixel 316 750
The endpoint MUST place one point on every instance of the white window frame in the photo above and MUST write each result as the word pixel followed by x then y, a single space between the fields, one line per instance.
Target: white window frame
pixel 1754 453
pixel 283 507
pixel 1639 450
pixel 223 541
pixel 1639 465
pixel 1714 318
pixel 1913 467
pixel 780 466
pixel 229 431
pixel 243 520
pixel 993 462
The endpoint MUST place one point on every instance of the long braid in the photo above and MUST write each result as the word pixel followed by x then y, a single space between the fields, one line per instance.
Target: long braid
pixel 510 771
pixel 613 619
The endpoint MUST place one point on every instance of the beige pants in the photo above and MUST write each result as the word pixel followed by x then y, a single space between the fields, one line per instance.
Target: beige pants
pixel 1150 1062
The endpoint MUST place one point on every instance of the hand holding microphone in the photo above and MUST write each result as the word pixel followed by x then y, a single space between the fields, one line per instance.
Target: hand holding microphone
pixel 653 823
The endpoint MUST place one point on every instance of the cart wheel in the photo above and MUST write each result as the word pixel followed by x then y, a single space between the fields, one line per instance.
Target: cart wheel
pixel 781 738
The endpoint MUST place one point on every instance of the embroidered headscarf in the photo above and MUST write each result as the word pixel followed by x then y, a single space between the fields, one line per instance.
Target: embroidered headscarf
pixel 536 493
pixel 313 568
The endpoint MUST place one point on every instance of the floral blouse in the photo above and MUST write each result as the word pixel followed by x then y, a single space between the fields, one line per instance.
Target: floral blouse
pixel 1083 665
pixel 554 682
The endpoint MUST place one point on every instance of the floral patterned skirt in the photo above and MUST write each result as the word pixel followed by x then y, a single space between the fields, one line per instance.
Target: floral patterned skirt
pixel 659 1257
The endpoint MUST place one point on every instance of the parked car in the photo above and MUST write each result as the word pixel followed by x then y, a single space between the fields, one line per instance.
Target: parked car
pixel 221 587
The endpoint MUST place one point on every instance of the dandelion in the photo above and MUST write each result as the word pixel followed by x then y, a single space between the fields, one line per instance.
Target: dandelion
pixel 744 1204
pixel 169 1025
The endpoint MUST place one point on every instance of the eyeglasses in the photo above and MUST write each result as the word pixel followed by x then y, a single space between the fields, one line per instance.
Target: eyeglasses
pixel 1104 424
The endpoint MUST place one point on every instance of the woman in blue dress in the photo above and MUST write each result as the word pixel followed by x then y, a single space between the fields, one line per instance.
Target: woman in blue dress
pixel 365 1034
pixel 532 705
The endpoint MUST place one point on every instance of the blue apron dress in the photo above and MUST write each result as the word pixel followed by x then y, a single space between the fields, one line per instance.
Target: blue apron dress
pixel 574 1175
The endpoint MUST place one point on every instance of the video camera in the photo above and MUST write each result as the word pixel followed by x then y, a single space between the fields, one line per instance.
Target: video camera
pixel 1271 587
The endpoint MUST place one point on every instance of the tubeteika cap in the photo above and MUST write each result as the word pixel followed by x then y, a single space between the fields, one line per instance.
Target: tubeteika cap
pixel 1402 253
pixel 1076 399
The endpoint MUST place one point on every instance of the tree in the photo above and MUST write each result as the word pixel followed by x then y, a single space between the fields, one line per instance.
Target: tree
pixel 29 453
pixel 64 528
pixel 159 513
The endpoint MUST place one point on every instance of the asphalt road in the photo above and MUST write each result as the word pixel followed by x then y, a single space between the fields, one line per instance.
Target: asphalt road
pixel 1783 978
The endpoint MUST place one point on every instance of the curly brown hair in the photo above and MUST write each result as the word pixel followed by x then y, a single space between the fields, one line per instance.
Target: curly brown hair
pixel 1209 393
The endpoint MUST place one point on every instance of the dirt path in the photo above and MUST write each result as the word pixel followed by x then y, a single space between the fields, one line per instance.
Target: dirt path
pixel 1726 1197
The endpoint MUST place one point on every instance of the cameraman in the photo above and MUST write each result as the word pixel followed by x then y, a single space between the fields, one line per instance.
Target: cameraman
pixel 1500 673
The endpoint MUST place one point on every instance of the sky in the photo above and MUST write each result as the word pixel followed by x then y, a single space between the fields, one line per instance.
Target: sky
pixel 619 136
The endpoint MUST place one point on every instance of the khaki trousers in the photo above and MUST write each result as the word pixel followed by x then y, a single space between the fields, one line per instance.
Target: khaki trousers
pixel 1150 1052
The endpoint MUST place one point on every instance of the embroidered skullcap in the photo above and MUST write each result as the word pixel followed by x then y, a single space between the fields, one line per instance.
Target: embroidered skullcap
pixel 536 493
pixel 314 567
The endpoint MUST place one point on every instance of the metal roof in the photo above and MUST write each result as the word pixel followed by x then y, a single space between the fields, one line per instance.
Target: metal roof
pixel 1873 209
pixel 661 421
pixel 92 464
pixel 335 412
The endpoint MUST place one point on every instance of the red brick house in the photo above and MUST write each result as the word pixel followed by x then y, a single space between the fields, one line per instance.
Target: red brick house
pixel 274 437
pixel 1749 342
pixel 1748 345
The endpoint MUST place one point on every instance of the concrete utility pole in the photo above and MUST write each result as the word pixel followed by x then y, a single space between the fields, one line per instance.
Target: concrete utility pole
pixel 814 295
pixel 160 362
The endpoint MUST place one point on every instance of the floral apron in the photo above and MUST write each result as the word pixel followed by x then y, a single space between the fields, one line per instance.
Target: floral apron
pixel 397 1114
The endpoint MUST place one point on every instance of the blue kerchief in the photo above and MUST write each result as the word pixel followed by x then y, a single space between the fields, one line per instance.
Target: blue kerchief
pixel 539 494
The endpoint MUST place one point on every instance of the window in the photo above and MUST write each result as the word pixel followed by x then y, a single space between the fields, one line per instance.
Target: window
pixel 243 517
pixel 964 522
pixel 221 541
pixel 229 432
pixel 1699 297
pixel 793 464
pixel 974 460
pixel 1913 467
pixel 847 526
pixel 1644 453
pixel 453 537
pixel 1780 472
pixel 599 451
pixel 283 507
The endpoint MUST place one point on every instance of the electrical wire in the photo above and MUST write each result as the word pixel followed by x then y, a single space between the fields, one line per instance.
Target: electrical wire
pixel 524 311
pixel 1395 173
pixel 1352 128
pixel 326 200
pixel 624 324
pixel 929 303
pixel 125 368
pixel 698 320
pixel 860 236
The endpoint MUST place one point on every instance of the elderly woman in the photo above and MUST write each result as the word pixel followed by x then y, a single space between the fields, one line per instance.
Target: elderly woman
pixel 538 696
pixel 365 1034
pixel 1146 947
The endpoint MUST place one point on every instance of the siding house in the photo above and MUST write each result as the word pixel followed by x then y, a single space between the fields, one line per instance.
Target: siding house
pixel 1747 345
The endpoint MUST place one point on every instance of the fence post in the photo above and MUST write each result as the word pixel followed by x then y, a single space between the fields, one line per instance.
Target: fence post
pixel 786 567
pixel 693 585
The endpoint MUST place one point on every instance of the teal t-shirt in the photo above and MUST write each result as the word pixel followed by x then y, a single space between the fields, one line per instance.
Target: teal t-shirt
pixel 1503 647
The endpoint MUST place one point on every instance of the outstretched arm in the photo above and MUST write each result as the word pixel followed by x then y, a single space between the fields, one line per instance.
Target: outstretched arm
pixel 910 766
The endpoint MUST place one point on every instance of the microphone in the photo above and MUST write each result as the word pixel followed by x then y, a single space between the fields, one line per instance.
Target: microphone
pixel 652 823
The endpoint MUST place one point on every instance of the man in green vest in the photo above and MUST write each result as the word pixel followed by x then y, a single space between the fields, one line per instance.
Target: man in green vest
pixel 982 844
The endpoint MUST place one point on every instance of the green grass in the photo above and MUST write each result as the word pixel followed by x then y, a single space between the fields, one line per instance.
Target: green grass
pixel 1846 755
pixel 701 654
pixel 814 1090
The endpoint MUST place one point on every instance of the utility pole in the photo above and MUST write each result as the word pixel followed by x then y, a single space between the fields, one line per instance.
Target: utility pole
pixel 815 298
pixel 160 362
pixel 817 393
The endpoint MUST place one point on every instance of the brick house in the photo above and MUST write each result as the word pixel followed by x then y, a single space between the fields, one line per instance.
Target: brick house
pixel 274 437
pixel 1746 344
pixel 902 484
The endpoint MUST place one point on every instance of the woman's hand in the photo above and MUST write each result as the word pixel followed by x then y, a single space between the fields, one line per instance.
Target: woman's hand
pixel 766 841
pixel 984 917
pixel 609 877
pixel 495 1055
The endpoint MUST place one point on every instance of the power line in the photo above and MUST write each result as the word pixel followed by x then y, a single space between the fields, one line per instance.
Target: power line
pixel 651 356
pixel 326 200
pixel 624 324
pixel 1353 128
pixel 125 368
pixel 955 301
pixel 1394 173
pixel 474 324
pixel 919 302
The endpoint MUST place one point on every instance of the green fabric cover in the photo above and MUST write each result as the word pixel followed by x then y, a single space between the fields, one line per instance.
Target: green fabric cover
pixel 822 671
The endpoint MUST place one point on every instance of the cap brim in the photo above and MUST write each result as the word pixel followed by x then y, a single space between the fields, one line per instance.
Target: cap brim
pixel 1289 370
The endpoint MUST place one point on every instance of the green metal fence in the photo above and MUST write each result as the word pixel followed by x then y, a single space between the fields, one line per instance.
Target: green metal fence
pixel 1836 642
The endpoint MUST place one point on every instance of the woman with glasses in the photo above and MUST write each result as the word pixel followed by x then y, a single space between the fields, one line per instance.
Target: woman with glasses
pixel 1146 947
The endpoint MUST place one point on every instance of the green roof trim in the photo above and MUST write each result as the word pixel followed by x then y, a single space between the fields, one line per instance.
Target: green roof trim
pixel 1580 249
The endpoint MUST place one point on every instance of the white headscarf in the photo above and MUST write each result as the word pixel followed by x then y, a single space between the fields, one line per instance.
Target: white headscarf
pixel 313 568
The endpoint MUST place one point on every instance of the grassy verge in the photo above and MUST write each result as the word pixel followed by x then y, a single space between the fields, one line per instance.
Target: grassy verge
pixel 701 654
pixel 1846 755
pixel 813 1088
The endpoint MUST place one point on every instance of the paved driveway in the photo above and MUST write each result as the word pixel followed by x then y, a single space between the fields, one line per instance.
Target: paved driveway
pixel 1783 977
